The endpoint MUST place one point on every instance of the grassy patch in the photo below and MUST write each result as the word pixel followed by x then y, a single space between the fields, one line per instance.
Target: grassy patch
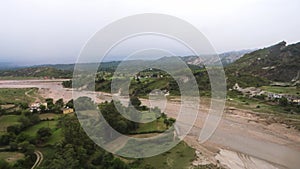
pixel 18 78
pixel 266 109
pixel 31 131
pixel 282 90
pixel 11 157
pixel 56 137
pixel 179 157
pixel 12 96
pixel 156 125
pixel 8 120
pixel 48 153
pixel 56 132
pixel 51 116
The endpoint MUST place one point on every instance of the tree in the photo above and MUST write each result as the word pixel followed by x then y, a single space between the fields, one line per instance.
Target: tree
pixel 22 137
pixel 60 103
pixel 169 122
pixel 50 104
pixel 298 86
pixel 4 164
pixel 1 111
pixel 13 146
pixel 70 104
pixel 135 102
pixel 67 84
pixel 34 119
pixel 283 101
pixel 23 105
pixel 119 164
pixel 27 148
pixel 25 122
pixel 43 108
pixel 5 138
pixel 14 129
pixel 44 133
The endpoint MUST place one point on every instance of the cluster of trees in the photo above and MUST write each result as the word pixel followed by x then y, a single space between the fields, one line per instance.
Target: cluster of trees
pixel 67 84
pixel 78 151
pixel 53 107
pixel 17 109
pixel 26 120
pixel 116 120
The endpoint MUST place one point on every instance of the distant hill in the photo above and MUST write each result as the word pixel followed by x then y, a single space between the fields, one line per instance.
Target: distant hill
pixel 226 58
pixel 49 72
pixel 280 63
pixel 8 65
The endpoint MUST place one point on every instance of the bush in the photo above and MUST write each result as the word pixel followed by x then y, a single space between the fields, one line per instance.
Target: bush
pixel 15 129
pixel 4 164
pixel 283 101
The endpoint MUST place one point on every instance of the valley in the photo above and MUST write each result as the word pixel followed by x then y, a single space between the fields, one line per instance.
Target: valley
pixel 241 132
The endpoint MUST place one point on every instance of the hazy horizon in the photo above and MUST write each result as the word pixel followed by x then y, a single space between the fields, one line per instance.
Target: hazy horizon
pixel 51 32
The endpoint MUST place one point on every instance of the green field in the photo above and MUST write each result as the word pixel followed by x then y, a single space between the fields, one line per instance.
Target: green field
pixel 56 137
pixel 18 78
pixel 11 157
pixel 282 90
pixel 26 95
pixel 56 132
pixel 31 131
pixel 154 126
pixel 8 120
pixel 179 157
pixel 266 109
pixel 45 116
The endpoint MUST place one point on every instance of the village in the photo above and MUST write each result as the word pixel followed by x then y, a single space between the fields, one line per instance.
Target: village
pixel 251 92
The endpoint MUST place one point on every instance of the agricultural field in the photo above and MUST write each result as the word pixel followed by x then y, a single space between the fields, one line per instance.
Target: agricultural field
pixel 154 126
pixel 31 131
pixel 48 116
pixel 282 90
pixel 56 132
pixel 170 158
pixel 11 157
pixel 8 120
pixel 265 109
pixel 15 96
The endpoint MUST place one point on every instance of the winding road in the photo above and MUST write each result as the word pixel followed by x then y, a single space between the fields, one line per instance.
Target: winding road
pixel 39 159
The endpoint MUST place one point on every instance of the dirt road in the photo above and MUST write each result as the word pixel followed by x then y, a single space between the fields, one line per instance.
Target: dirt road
pixel 39 159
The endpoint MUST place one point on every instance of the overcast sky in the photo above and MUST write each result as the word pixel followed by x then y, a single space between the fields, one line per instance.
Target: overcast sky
pixel 54 31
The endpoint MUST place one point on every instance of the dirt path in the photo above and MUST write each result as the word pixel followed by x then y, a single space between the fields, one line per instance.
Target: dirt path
pixel 36 99
pixel 39 159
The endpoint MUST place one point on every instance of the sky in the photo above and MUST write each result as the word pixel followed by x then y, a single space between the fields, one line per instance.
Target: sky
pixel 54 31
